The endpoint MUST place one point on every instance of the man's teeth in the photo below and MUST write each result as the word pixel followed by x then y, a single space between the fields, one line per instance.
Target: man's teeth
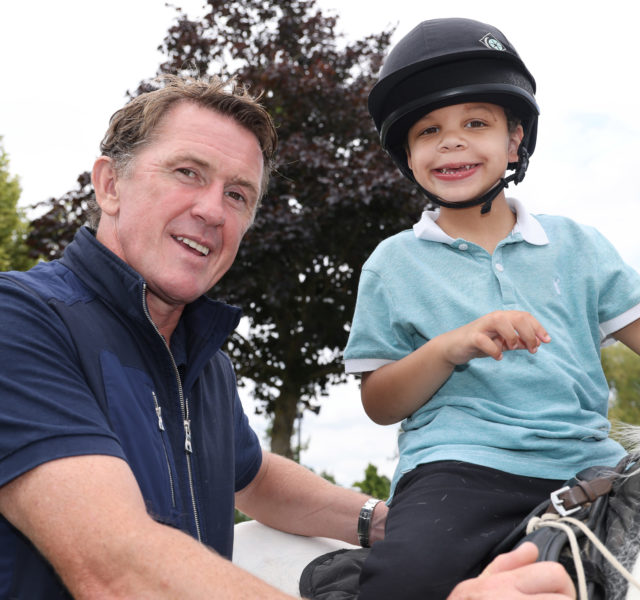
pixel 199 247
pixel 447 171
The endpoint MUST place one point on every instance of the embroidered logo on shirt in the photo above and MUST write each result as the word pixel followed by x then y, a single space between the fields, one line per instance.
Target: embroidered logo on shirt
pixel 556 285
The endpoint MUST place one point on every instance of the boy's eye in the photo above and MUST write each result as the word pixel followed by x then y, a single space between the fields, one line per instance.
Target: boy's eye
pixel 430 130
pixel 475 123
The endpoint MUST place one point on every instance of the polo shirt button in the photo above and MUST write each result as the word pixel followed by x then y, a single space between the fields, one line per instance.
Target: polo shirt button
pixel 499 267
pixel 463 247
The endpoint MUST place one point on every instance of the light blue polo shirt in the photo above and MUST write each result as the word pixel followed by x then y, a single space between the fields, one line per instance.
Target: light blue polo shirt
pixel 540 415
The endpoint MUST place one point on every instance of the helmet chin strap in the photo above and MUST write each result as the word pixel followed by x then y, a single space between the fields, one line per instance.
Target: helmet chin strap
pixel 488 197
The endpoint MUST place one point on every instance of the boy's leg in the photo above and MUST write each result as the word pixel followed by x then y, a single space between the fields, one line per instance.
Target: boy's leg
pixel 444 520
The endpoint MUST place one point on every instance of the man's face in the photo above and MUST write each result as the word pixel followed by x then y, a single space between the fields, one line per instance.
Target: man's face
pixel 179 211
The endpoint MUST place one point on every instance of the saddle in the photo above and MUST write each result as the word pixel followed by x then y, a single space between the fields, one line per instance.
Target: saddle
pixel 592 527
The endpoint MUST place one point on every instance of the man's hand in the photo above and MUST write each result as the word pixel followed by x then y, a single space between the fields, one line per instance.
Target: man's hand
pixel 516 576
pixel 492 334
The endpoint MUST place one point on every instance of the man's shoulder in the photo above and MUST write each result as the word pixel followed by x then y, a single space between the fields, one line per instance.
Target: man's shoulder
pixel 46 281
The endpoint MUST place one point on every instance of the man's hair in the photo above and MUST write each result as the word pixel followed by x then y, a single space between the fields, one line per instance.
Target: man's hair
pixel 133 126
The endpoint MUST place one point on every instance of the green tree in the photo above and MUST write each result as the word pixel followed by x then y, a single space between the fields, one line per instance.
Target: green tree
pixel 622 370
pixel 374 484
pixel 59 219
pixel 14 253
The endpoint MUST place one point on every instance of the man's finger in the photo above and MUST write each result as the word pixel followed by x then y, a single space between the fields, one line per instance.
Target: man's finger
pixel 523 555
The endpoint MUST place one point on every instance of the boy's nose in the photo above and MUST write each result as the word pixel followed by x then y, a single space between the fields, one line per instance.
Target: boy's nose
pixel 451 141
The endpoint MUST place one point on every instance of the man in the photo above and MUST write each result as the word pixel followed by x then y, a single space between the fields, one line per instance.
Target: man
pixel 122 439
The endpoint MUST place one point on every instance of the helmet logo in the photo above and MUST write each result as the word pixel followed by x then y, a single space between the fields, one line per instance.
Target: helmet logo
pixel 491 42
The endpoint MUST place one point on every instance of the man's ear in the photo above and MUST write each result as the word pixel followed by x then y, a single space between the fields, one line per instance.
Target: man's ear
pixel 515 137
pixel 104 179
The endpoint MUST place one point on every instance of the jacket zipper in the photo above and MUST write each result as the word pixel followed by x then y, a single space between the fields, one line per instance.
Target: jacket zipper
pixel 164 447
pixel 184 409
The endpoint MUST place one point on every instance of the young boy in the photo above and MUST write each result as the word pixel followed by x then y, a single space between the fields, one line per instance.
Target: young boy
pixel 480 329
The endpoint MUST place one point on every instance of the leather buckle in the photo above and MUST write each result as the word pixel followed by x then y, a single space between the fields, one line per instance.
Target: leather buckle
pixel 558 503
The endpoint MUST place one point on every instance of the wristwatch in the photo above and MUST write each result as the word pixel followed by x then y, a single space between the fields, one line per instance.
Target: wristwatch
pixel 364 521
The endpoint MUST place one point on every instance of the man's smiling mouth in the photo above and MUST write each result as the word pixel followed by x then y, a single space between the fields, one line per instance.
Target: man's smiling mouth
pixel 192 244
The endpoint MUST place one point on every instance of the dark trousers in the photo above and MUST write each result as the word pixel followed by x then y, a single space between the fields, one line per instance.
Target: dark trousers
pixel 443 522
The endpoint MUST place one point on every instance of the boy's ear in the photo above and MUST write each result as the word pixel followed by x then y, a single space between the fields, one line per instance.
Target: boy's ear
pixel 515 138
pixel 104 179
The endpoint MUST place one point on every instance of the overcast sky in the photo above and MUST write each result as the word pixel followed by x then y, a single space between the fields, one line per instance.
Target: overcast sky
pixel 67 65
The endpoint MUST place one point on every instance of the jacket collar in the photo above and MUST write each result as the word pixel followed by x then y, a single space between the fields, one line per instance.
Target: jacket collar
pixel 206 323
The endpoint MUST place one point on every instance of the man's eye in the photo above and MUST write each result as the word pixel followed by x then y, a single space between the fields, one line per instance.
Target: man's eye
pixel 237 196
pixel 187 172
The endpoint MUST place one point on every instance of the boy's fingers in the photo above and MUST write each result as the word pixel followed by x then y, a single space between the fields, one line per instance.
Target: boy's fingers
pixel 531 334
pixel 507 330
pixel 487 346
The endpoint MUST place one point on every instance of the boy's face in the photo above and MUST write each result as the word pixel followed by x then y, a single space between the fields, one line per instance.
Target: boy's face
pixel 459 152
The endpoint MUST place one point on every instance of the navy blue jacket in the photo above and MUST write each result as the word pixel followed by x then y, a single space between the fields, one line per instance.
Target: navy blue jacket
pixel 83 370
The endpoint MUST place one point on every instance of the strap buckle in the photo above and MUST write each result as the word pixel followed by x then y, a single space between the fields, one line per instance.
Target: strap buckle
pixel 558 503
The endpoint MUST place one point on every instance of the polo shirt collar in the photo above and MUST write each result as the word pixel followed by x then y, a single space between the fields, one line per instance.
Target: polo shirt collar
pixel 526 225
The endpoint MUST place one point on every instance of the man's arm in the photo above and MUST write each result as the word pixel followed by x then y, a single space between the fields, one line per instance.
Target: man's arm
pixel 286 496
pixel 87 517
pixel 396 390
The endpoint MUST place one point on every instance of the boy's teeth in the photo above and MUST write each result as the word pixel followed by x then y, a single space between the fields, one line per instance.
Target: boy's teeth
pixel 447 171
pixel 200 248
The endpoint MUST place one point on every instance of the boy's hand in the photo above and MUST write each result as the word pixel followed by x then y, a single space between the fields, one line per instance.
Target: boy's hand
pixel 492 334
pixel 396 390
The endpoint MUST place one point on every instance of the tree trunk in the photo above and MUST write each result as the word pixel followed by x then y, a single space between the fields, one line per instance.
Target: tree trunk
pixel 284 418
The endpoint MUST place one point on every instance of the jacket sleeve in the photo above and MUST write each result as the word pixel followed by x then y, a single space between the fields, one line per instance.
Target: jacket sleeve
pixel 47 410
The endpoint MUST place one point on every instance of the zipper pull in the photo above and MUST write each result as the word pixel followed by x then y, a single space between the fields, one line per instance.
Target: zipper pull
pixel 158 412
pixel 187 436
pixel 160 421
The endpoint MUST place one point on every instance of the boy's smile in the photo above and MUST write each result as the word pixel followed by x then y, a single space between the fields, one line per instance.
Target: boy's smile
pixel 456 171
pixel 461 151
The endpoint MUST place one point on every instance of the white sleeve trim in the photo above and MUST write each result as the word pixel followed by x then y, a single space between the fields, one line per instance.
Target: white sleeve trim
pixel 357 366
pixel 608 328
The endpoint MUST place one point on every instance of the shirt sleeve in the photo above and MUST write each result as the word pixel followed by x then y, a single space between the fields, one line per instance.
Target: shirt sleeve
pixel 377 335
pixel 248 452
pixel 619 289
pixel 47 411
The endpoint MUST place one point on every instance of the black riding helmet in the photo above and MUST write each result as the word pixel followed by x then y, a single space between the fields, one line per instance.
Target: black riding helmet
pixel 451 61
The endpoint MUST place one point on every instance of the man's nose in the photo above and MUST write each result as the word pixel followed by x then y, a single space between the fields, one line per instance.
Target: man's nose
pixel 209 206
